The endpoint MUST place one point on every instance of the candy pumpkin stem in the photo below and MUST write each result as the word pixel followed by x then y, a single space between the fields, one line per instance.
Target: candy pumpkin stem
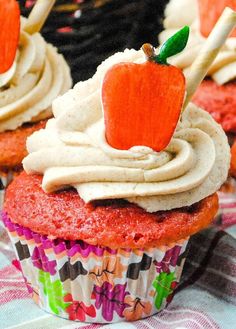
pixel 171 47
pixel 149 51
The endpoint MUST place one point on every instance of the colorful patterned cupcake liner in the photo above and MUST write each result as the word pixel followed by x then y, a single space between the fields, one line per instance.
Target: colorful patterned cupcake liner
pixel 82 282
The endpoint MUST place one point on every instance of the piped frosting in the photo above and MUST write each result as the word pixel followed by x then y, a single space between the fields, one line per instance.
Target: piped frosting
pixel 72 151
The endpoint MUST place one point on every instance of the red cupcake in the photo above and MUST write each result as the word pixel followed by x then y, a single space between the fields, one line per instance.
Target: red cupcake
pixel 102 236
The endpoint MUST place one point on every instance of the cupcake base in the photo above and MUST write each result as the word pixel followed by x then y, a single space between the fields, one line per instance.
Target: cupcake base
pixel 82 282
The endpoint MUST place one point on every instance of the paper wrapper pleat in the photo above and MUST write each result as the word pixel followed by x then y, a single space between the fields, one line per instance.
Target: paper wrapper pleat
pixel 82 282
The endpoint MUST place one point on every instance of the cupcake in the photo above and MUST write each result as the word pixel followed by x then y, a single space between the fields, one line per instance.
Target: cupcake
pixel 216 94
pixel 100 227
pixel 37 75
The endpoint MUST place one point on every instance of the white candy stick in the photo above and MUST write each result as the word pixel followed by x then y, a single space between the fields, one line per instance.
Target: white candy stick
pixel 209 51
pixel 38 15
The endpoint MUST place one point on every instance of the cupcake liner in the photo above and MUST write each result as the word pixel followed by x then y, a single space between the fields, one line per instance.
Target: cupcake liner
pixel 82 282
pixel 5 180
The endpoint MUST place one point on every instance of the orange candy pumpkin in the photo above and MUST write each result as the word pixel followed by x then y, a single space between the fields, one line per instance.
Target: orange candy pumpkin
pixel 9 32
pixel 142 104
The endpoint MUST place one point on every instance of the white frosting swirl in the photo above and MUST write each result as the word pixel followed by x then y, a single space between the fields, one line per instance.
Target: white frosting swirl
pixel 72 151
pixel 38 75
pixel 185 12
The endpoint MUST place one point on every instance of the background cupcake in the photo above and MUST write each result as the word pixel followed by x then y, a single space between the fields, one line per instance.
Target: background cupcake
pixel 216 94
pixel 37 75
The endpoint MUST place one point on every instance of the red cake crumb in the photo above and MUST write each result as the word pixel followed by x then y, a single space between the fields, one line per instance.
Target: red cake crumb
pixel 111 223
pixel 219 101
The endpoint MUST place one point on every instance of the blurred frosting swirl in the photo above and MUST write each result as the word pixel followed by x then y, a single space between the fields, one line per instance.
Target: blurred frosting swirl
pixel 38 75
pixel 185 12
pixel 72 151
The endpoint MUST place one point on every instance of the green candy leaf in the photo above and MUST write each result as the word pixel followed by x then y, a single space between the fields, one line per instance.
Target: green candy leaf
pixel 173 45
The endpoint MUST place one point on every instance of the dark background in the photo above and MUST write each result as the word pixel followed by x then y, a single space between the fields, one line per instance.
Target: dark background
pixel 87 32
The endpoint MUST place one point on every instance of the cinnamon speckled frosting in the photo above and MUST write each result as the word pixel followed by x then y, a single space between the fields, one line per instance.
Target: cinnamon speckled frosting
pixel 185 12
pixel 72 151
pixel 38 75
